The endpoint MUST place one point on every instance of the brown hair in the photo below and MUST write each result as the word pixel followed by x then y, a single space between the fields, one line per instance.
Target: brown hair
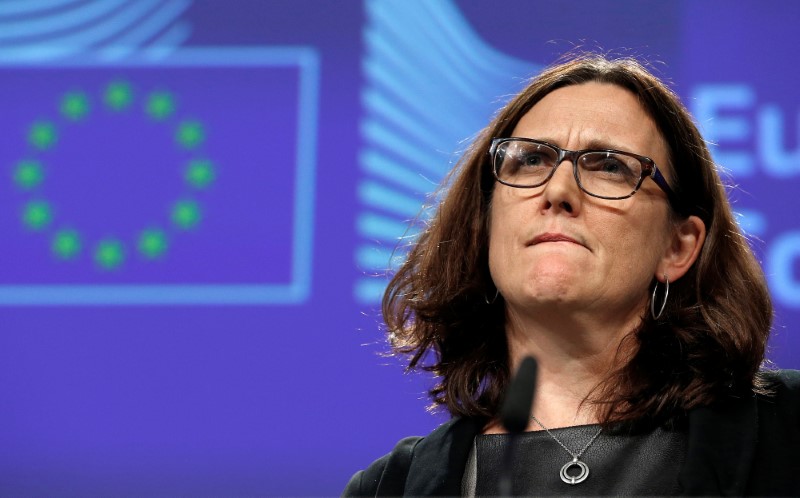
pixel 709 341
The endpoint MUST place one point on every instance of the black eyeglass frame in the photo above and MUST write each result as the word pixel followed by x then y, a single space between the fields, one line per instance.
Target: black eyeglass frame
pixel 649 168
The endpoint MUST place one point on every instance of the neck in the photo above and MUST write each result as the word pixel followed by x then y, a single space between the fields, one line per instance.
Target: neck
pixel 574 357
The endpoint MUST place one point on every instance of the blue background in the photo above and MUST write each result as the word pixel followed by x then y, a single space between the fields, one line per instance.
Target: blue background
pixel 245 359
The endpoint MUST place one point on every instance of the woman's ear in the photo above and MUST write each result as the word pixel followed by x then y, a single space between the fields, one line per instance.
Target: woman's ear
pixel 687 239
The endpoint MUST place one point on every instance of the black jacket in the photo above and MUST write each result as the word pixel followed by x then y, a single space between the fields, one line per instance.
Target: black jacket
pixel 746 445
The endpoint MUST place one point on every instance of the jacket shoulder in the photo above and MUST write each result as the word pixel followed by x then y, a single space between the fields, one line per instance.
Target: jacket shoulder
pixel 420 466
pixel 782 403
pixel 385 476
pixel 783 386
pixel 775 466
pixel 788 379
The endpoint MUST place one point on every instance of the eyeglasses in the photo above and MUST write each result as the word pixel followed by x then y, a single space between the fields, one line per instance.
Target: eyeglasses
pixel 607 174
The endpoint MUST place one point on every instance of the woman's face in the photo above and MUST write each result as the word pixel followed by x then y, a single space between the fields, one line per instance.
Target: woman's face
pixel 555 248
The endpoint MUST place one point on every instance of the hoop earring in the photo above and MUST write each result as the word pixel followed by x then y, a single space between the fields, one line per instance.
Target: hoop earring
pixel 497 293
pixel 653 313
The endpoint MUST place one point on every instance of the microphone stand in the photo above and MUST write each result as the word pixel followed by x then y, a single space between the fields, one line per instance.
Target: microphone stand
pixel 514 415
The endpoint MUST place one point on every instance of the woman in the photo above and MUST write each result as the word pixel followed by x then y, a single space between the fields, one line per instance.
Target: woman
pixel 587 227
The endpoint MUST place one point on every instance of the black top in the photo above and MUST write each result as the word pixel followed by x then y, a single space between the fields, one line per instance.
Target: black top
pixel 619 464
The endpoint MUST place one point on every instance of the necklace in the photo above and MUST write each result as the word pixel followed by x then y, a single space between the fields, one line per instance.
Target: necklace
pixel 576 457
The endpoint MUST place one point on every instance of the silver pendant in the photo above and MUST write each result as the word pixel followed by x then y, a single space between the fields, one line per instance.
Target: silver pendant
pixel 582 475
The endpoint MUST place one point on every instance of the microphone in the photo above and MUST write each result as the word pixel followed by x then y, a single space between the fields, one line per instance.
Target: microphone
pixel 516 409
pixel 514 415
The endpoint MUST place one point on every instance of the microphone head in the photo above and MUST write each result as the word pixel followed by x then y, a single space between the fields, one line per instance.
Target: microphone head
pixel 516 409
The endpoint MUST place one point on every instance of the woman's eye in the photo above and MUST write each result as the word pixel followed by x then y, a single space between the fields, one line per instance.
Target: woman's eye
pixel 605 163
pixel 533 160
pixel 612 165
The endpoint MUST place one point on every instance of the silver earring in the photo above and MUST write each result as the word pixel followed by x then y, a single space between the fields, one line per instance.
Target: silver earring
pixel 653 313
pixel 497 293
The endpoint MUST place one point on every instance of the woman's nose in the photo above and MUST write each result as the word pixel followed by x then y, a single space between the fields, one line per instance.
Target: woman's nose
pixel 562 190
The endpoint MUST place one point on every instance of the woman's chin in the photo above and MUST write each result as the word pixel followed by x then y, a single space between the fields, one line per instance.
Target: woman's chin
pixel 550 293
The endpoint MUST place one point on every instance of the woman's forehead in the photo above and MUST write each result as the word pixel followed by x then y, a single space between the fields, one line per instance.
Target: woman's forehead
pixel 594 116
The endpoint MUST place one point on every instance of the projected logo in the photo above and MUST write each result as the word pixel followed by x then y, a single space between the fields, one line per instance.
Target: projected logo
pixel 430 85
pixel 182 180
pixel 117 98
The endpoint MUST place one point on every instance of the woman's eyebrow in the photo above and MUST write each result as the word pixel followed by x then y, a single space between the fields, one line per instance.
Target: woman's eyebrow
pixel 605 143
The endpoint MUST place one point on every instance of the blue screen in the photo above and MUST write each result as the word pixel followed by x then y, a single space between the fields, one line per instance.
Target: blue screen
pixel 200 201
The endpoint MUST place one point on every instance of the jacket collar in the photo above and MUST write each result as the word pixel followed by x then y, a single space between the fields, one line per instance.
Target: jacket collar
pixel 439 460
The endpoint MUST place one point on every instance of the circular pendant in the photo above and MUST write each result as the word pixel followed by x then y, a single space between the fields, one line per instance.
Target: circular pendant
pixel 582 475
